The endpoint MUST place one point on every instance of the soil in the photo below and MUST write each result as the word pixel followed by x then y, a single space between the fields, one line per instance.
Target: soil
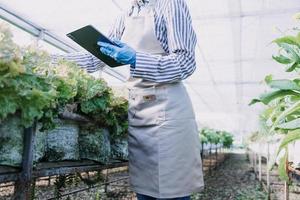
pixel 233 179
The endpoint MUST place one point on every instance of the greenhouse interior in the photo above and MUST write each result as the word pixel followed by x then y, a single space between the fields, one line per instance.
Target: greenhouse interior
pixel 150 99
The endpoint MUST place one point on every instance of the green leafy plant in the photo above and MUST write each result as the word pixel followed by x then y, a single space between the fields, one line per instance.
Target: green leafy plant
pixel 282 115
pixel 24 92
pixel 226 139
pixel 211 136
pixel 33 88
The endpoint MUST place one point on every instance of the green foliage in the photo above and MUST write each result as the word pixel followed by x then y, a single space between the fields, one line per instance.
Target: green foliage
pixel 119 110
pixel 289 52
pixel 203 138
pixel 93 97
pixel 268 97
pixel 212 136
pixel 290 125
pixel 284 84
pixel 226 139
pixel 288 139
pixel 282 115
pixel 8 49
pixel 37 90
pixel 282 167
pixel 24 92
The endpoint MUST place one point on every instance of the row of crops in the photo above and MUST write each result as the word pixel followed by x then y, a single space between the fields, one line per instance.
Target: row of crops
pixel 213 139
pixel 280 120
pixel 35 93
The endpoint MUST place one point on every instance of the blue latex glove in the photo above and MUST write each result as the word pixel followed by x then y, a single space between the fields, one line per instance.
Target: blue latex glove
pixel 120 52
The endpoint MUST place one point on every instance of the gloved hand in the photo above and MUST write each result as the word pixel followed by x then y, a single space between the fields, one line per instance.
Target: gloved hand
pixel 120 52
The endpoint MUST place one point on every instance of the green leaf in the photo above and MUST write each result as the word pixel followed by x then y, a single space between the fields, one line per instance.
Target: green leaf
pixel 282 59
pixel 292 67
pixel 8 105
pixel 291 51
pixel 282 167
pixel 284 85
pixel 226 139
pixel 292 136
pixel 270 96
pixel 254 101
pixel 291 125
pixel 212 136
pixel 284 114
pixel 37 90
pixel 268 78
pixel 287 40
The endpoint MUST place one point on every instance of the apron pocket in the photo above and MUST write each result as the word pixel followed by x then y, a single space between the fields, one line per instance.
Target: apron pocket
pixel 146 107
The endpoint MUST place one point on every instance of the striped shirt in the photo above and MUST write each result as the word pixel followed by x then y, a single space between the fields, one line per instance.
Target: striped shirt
pixel 174 31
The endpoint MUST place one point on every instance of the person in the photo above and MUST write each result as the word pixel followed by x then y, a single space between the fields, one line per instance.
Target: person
pixel 157 40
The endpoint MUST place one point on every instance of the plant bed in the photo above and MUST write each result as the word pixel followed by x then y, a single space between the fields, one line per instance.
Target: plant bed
pixel 62 142
pixel 41 92
pixel 94 144
pixel 119 148
pixel 11 142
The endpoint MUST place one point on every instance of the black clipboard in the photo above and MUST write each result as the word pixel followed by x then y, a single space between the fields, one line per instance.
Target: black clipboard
pixel 87 37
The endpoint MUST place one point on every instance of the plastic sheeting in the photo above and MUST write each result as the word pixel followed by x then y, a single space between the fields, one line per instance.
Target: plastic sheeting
pixel 233 51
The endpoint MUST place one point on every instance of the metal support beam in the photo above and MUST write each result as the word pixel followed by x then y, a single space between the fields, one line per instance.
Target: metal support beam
pixel 23 185
pixel 34 29
pixel 237 15
pixel 236 7
pixel 47 36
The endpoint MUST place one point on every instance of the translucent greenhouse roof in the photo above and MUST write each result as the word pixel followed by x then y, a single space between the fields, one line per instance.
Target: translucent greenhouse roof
pixel 233 51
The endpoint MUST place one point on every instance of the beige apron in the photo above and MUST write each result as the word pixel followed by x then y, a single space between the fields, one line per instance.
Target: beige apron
pixel 164 149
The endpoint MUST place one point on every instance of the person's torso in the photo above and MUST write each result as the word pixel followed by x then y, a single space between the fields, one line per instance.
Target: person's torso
pixel 140 34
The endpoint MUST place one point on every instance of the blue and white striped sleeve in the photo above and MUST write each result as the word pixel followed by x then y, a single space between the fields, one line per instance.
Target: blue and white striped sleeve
pixel 87 61
pixel 84 60
pixel 180 62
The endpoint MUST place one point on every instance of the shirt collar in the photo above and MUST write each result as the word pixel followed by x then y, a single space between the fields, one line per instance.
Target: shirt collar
pixel 137 5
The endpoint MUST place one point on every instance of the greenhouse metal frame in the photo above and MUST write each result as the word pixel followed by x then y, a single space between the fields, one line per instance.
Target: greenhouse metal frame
pixel 24 178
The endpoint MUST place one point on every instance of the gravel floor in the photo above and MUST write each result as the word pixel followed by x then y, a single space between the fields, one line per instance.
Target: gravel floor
pixel 233 180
